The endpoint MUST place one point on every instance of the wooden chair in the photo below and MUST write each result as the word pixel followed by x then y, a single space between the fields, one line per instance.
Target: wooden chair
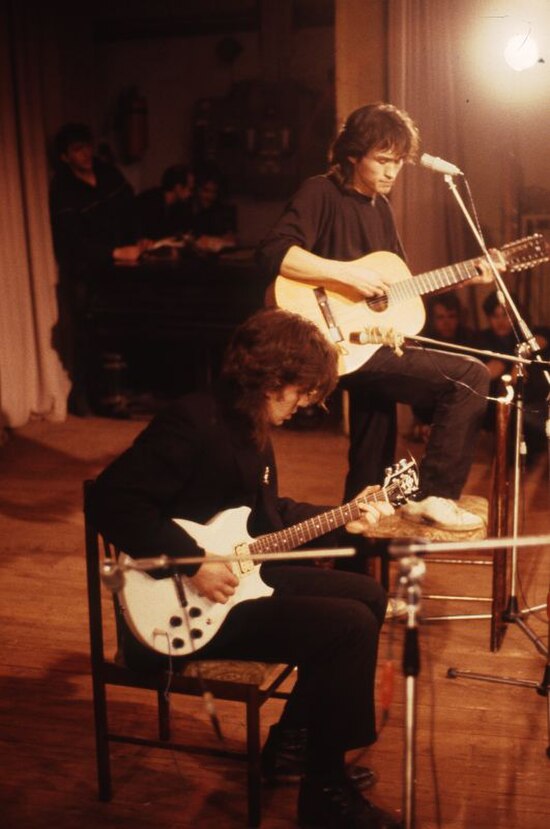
pixel 251 683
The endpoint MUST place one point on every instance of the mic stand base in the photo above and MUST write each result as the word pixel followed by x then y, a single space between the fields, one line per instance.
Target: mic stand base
pixel 542 688
pixel 513 615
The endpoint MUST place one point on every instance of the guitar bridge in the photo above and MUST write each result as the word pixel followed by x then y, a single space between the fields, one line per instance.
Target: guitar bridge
pixel 322 300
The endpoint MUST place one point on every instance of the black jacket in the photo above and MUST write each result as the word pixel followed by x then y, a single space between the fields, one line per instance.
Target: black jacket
pixel 190 462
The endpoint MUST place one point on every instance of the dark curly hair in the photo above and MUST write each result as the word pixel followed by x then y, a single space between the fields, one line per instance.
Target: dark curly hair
pixel 72 133
pixel 374 126
pixel 270 350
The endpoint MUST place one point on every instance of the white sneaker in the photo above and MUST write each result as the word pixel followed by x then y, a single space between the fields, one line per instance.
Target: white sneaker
pixel 396 608
pixel 442 513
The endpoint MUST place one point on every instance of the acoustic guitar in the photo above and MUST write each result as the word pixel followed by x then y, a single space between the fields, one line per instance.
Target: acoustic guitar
pixel 343 314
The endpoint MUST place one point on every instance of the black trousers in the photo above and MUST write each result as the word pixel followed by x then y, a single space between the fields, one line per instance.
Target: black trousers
pixel 454 386
pixel 327 623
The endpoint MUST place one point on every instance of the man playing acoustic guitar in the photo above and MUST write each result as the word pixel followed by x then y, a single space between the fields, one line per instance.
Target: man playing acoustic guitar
pixel 210 455
pixel 320 241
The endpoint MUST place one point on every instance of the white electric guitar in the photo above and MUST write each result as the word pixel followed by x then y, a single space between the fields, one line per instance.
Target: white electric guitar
pixel 153 607
pixel 343 314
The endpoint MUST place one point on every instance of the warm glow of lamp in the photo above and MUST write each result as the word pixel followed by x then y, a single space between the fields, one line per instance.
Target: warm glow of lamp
pixel 521 52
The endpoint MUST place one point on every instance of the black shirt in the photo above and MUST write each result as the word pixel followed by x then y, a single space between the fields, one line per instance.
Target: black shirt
pixel 331 222
pixel 89 222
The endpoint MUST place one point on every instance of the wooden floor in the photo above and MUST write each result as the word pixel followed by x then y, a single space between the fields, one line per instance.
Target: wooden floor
pixel 481 747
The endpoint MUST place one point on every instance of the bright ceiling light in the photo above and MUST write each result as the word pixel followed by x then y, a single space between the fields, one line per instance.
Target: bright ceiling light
pixel 521 52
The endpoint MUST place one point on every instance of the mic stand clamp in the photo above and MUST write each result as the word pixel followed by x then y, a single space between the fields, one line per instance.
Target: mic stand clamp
pixel 411 572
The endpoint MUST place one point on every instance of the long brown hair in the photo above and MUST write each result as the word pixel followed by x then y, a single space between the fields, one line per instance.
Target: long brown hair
pixel 374 126
pixel 270 350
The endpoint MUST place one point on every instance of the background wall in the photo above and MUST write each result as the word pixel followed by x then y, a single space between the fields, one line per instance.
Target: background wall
pixel 171 54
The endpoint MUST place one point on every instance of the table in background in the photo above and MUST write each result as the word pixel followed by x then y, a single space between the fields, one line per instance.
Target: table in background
pixel 170 318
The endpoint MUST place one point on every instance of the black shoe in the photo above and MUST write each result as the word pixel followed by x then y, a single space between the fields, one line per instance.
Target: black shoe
pixel 284 754
pixel 284 759
pixel 337 804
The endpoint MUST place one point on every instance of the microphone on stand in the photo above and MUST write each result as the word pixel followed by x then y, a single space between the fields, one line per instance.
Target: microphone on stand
pixel 112 576
pixel 439 165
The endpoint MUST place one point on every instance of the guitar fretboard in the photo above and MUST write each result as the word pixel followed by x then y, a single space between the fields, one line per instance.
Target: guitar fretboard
pixel 295 536
pixel 432 281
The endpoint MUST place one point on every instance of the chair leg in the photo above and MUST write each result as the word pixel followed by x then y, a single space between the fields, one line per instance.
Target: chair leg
pixel 254 780
pixel 103 760
pixel 163 716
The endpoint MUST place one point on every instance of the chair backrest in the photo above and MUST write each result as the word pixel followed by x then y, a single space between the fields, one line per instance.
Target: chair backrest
pixel 129 652
pixel 93 561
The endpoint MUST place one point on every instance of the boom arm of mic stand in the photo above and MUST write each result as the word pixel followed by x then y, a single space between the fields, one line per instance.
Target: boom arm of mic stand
pixel 467 349
pixel 166 562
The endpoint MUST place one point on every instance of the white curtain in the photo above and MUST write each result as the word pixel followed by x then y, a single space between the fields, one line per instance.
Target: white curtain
pixel 421 80
pixel 445 69
pixel 32 380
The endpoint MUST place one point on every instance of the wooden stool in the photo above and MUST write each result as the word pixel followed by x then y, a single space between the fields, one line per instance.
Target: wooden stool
pixel 399 526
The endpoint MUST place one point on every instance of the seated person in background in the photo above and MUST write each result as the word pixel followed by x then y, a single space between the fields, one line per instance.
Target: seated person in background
pixel 94 224
pixel 214 222
pixel 499 337
pixel 166 210
pixel 444 322
pixel 211 452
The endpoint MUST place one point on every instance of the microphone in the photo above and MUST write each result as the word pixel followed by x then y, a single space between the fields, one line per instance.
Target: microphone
pixel 112 576
pixel 439 165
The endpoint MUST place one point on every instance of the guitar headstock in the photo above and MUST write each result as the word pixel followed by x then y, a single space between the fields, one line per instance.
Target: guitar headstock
pixel 525 253
pixel 401 481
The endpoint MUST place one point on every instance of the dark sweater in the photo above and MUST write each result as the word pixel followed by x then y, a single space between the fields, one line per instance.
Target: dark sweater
pixel 331 222
pixel 88 223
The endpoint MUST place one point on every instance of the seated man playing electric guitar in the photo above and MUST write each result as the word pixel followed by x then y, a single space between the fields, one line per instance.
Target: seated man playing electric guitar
pixel 210 454
pixel 321 240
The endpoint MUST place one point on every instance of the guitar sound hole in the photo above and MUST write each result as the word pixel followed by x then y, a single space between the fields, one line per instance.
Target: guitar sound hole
pixel 377 303
pixel 177 643
pixel 196 633
pixel 176 621
pixel 194 612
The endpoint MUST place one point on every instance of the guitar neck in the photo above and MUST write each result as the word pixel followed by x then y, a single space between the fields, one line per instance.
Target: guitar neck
pixel 432 281
pixel 292 537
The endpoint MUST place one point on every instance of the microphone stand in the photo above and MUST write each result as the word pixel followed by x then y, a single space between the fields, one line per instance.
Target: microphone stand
pixel 411 572
pixel 527 346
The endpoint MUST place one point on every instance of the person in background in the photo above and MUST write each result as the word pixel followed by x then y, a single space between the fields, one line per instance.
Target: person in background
pixel 445 320
pixel 94 225
pixel 499 336
pixel 165 211
pixel 321 240
pixel 214 221
pixel 211 452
